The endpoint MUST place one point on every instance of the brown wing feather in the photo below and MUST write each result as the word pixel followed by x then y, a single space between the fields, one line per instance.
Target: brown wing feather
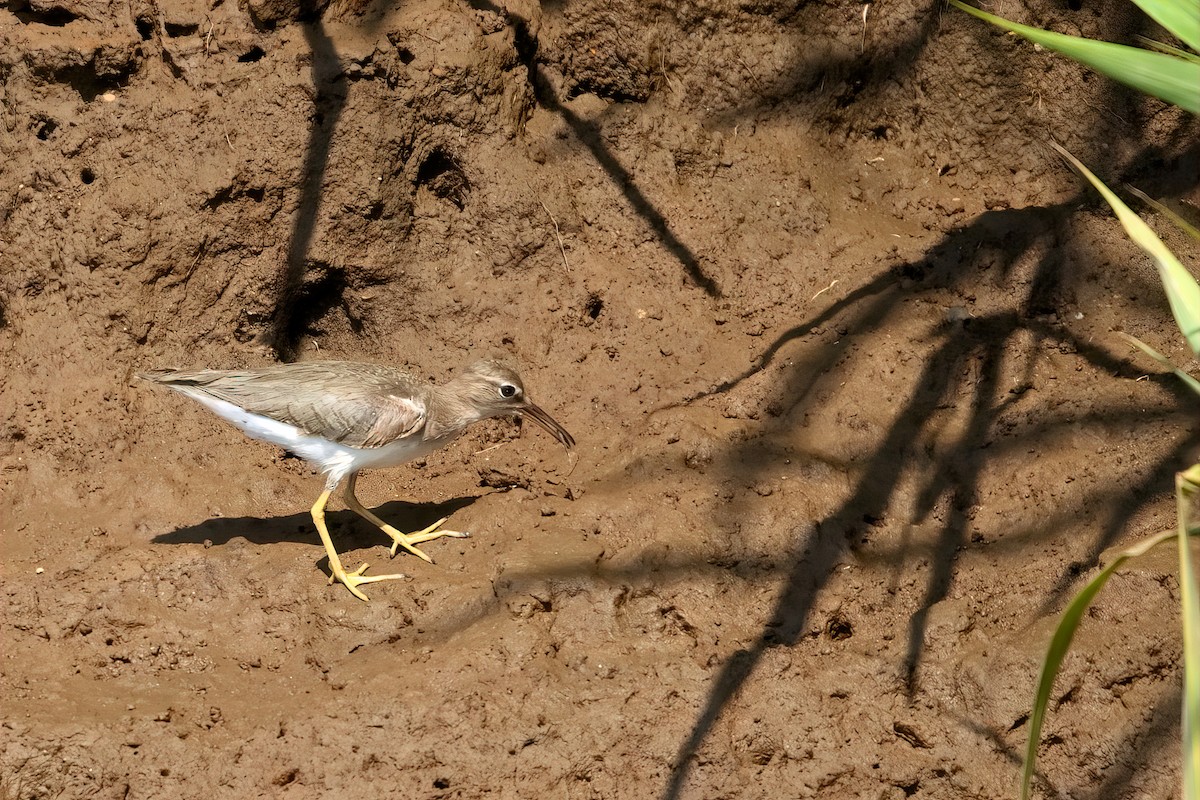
pixel 359 405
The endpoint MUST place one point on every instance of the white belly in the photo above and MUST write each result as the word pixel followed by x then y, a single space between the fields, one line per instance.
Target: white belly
pixel 335 460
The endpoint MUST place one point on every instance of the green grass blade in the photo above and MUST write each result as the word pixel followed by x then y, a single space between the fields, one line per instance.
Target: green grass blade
pixel 1168 49
pixel 1168 212
pixel 1186 486
pixel 1183 292
pixel 1168 78
pixel 1060 643
pixel 1192 383
pixel 1180 17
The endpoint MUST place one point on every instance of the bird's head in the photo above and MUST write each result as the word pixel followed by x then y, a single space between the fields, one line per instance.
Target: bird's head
pixel 493 389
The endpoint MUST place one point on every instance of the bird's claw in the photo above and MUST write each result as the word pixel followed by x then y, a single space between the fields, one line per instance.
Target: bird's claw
pixel 353 580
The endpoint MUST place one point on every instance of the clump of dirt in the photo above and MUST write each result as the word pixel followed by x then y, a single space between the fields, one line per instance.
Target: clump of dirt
pixel 832 326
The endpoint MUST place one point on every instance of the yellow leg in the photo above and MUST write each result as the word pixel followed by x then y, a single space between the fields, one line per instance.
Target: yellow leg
pixel 353 579
pixel 406 540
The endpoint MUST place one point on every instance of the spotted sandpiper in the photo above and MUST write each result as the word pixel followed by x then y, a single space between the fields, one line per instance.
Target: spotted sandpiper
pixel 344 417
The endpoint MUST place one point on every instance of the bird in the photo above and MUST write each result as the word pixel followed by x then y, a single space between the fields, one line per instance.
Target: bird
pixel 344 417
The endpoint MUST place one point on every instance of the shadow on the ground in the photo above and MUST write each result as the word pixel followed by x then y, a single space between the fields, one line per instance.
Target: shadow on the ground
pixel 295 308
pixel 347 528
pixel 961 371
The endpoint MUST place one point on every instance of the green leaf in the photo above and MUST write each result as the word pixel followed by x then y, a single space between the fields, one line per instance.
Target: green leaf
pixel 1060 644
pixel 1192 383
pixel 1162 208
pixel 1183 292
pixel 1168 49
pixel 1185 487
pixel 1180 17
pixel 1174 80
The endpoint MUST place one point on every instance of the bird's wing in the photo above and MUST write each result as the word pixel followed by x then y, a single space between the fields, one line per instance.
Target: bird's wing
pixel 355 405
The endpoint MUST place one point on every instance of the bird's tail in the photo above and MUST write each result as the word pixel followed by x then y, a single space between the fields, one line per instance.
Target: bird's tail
pixel 179 377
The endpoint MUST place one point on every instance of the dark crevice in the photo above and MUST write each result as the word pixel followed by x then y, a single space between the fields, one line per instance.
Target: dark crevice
pixel 89 85
pixel 839 628
pixel 231 193
pixel 55 16
pixel 405 55
pixel 442 175
pixel 593 306
pixel 177 29
pixel 45 127
pixel 255 53
pixel 855 83
pixel 145 28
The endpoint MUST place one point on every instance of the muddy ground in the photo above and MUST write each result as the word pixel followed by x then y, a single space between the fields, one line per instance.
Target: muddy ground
pixel 833 326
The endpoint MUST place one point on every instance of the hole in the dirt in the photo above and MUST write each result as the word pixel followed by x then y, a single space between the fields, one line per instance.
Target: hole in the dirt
pixel 55 16
pixel 177 29
pixel 441 783
pixel 93 79
pixel 284 778
pixel 839 628
pixel 441 174
pixel 87 176
pixel 854 84
pixel 593 306
pixel 145 28
pixel 406 56
pixel 880 132
pixel 47 127
pixel 910 789
pixel 253 54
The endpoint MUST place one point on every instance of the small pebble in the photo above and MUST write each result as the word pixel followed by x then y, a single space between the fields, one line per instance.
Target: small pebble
pixel 39 570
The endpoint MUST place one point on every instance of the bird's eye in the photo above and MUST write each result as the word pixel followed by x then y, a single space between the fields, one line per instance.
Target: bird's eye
pixel 507 390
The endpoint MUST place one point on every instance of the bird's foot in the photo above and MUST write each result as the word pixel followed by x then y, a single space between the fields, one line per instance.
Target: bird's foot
pixel 353 580
pixel 409 541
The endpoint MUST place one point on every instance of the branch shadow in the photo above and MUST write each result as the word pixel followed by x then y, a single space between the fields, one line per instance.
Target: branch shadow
pixel 977 347
pixel 589 134
pixel 296 309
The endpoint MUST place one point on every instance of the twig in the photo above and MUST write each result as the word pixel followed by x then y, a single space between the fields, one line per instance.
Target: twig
pixel 561 249
pixel 823 291
pixel 865 10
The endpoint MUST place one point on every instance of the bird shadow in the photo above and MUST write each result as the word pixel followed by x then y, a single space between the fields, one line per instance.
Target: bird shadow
pixel 350 530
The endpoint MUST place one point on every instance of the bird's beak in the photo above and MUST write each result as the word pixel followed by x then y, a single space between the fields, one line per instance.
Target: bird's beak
pixel 535 413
